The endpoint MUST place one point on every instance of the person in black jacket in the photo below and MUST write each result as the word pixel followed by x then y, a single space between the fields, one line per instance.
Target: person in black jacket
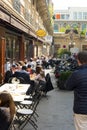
pixel 9 73
pixel 78 82
pixel 23 74
pixel 24 77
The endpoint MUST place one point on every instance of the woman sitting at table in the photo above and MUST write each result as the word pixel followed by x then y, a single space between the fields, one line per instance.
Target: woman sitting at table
pixel 40 80
pixel 38 70
pixel 7 110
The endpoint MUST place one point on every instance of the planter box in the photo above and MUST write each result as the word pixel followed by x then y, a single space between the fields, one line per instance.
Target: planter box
pixel 62 79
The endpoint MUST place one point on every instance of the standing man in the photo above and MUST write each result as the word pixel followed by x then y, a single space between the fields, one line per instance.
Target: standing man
pixel 78 82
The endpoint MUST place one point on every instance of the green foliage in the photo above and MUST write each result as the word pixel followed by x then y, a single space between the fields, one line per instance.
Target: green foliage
pixel 63 51
pixel 83 32
pixel 68 27
pixel 62 29
pixel 53 16
pixel 75 28
pixel 64 75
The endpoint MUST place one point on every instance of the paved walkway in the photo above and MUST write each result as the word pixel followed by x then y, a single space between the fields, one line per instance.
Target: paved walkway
pixel 55 111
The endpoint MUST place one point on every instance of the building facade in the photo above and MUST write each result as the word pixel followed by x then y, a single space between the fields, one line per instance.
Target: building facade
pixel 70 28
pixel 19 21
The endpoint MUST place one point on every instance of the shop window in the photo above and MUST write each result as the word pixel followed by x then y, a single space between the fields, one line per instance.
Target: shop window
pixel 26 49
pixel 12 48
pixel 29 49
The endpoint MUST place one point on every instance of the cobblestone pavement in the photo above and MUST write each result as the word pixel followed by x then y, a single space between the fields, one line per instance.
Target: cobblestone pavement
pixel 55 110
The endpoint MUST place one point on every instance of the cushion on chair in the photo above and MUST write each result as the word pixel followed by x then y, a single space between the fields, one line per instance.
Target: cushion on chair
pixel 49 85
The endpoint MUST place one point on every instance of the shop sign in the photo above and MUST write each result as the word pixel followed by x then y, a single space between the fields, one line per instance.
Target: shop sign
pixel 41 33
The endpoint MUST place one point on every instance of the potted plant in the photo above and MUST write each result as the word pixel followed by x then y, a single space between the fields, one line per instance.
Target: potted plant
pixel 63 77
pixel 63 51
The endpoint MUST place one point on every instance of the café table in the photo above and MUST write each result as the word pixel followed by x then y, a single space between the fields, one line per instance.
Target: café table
pixel 23 107
pixel 18 91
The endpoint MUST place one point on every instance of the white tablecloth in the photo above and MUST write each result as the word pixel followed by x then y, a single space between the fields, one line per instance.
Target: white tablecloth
pixel 18 91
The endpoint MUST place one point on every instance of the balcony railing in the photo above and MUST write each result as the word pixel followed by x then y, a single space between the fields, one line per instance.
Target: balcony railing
pixel 27 15
pixel 17 5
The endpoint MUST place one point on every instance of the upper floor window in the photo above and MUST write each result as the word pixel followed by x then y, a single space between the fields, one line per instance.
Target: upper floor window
pixel 84 15
pixel 62 16
pixel 79 15
pixel 27 15
pixel 75 15
pixel 67 16
pixel 55 27
pixel 17 5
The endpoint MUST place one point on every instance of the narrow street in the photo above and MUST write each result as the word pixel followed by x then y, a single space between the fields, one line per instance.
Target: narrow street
pixel 55 110
pixel 36 34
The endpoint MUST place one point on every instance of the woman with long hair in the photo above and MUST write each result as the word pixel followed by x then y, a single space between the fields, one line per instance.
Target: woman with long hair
pixel 7 110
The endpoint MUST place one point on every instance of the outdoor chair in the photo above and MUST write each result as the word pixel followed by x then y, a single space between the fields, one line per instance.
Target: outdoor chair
pixel 26 104
pixel 49 85
pixel 12 126
pixel 27 113
pixel 22 116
